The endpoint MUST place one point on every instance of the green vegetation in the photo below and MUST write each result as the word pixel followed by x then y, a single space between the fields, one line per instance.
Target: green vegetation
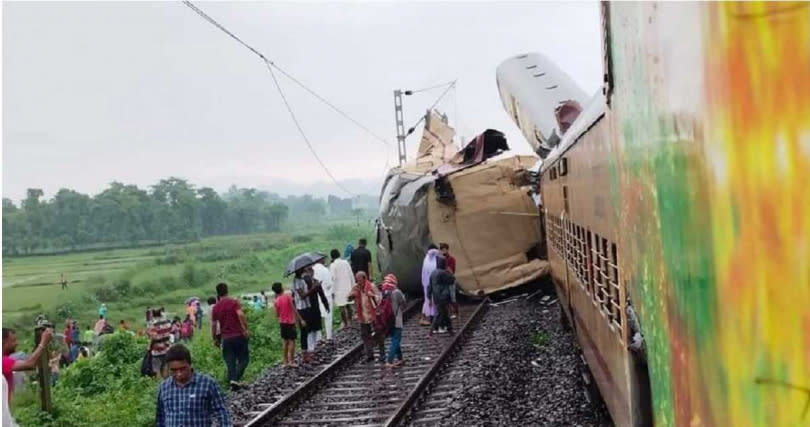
pixel 108 390
pixel 125 215
pixel 540 339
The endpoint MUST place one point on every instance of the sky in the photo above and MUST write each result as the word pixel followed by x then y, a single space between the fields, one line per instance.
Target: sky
pixel 139 91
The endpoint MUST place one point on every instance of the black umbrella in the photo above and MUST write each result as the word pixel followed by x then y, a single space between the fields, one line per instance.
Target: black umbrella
pixel 302 261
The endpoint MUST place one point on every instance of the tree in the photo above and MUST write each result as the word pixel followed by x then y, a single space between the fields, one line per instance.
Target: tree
pixel 213 212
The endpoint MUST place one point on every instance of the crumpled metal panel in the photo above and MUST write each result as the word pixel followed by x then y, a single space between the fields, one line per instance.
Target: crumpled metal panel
pixel 402 228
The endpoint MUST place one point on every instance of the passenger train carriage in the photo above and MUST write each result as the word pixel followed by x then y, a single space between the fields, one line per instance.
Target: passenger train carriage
pixel 677 209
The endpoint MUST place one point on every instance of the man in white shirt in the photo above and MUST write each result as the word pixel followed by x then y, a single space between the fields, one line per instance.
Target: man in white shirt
pixel 342 280
pixel 321 274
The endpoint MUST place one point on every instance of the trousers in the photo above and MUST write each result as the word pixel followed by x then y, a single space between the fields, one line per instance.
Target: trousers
pixel 370 339
pixel 396 345
pixel 442 319
pixel 237 356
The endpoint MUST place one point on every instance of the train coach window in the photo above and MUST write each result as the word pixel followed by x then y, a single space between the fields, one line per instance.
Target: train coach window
pixel 615 294
pixel 581 258
pixel 600 275
pixel 589 263
pixel 563 165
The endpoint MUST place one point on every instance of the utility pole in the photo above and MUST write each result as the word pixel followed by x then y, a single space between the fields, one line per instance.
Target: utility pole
pixel 400 126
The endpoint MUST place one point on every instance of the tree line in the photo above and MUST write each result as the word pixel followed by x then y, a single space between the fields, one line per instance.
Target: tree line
pixel 172 210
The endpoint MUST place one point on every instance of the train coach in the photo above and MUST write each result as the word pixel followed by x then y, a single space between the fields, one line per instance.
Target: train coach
pixel 677 211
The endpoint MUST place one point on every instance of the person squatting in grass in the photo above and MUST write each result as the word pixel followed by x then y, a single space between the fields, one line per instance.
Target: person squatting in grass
pixel 233 330
pixel 188 398
pixel 287 316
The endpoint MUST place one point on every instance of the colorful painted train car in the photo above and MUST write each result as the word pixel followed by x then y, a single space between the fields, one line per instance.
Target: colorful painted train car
pixel 677 209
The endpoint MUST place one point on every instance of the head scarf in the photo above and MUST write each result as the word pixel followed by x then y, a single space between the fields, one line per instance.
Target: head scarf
pixel 389 283
pixel 347 253
pixel 428 265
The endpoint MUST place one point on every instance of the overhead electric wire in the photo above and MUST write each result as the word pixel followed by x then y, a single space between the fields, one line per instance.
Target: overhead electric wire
pixel 270 65
pixel 451 85
pixel 301 131
pixel 411 92
pixel 285 73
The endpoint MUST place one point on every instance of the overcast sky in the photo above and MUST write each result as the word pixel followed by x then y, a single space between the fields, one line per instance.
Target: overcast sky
pixel 135 92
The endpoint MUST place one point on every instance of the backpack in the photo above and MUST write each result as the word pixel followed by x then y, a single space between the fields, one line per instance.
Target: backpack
pixel 384 314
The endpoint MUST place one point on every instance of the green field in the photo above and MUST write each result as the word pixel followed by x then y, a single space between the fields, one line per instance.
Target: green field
pixel 131 280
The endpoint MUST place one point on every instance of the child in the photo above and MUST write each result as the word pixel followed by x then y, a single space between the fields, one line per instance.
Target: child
pixel 287 315
pixel 187 329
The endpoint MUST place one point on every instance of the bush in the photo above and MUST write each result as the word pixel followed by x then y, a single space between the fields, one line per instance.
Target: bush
pixel 301 238
pixel 194 277
pixel 169 260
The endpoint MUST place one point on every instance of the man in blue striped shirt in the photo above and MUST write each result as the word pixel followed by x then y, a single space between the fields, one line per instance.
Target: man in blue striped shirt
pixel 189 399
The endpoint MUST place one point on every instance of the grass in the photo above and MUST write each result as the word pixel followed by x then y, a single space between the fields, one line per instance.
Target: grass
pixel 540 339
pixel 156 275
pixel 131 280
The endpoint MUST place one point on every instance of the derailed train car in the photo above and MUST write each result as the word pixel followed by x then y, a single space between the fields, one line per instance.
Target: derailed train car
pixel 480 206
pixel 677 214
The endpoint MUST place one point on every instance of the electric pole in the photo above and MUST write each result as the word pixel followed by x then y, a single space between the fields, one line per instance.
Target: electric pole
pixel 400 126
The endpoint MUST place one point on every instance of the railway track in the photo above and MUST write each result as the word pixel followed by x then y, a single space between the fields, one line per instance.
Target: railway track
pixel 351 391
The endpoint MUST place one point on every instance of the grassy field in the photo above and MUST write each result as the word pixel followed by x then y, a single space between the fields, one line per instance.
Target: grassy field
pixel 131 280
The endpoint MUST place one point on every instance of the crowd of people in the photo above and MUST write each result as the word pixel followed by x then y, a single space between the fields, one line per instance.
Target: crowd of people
pixel 304 312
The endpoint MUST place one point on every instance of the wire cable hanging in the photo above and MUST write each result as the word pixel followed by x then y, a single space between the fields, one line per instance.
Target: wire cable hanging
pixel 301 131
pixel 421 119
pixel 270 65
pixel 285 73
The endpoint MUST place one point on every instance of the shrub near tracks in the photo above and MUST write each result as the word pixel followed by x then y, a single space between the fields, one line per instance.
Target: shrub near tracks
pixel 108 390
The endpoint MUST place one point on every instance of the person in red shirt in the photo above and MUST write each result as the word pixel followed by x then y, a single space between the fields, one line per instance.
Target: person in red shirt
pixel 233 329
pixel 10 364
pixel 451 267
pixel 287 315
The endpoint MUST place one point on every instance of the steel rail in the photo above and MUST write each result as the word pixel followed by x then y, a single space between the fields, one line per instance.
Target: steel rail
pixel 302 391
pixel 402 412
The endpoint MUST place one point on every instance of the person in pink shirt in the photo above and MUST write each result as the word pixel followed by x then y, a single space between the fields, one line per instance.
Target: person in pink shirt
pixel 11 365
pixel 287 314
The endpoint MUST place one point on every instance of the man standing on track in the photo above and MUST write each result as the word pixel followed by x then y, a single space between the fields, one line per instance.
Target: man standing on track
pixel 397 306
pixel 361 260
pixel 451 267
pixel 233 329
pixel 188 398
pixel 343 280
pixel 366 297
pixel 441 281
pixel 322 275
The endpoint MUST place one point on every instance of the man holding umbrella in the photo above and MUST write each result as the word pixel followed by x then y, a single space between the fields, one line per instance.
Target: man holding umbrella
pixel 306 292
